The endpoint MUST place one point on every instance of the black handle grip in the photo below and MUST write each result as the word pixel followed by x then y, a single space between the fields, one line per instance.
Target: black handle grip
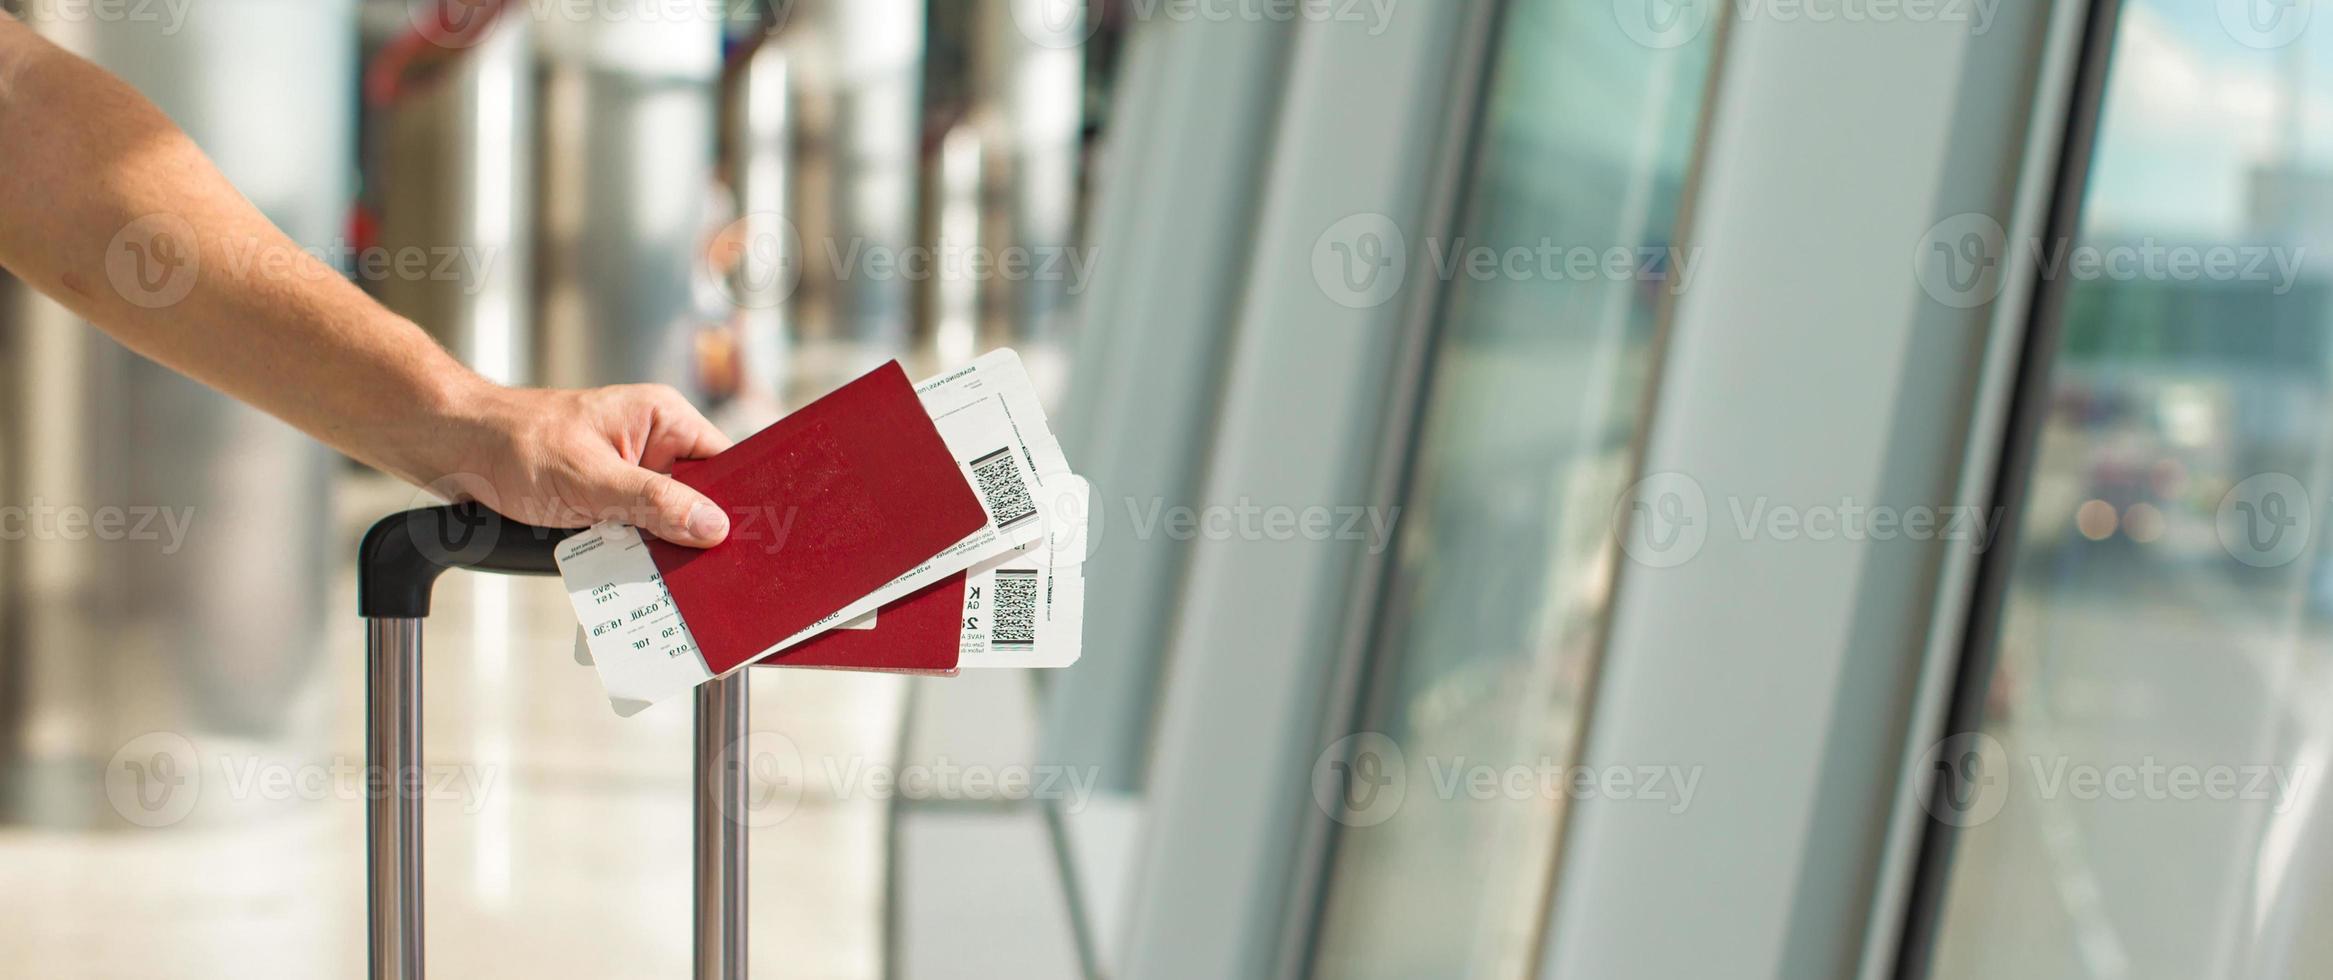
pixel 403 555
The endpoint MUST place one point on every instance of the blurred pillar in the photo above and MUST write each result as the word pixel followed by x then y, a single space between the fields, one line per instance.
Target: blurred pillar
pixel 198 608
pixel 860 91
pixel 453 167
pixel 953 296
pixel 628 111
pixel 768 258
pixel 1028 73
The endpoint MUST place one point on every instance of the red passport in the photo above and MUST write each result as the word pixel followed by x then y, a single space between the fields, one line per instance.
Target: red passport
pixel 825 506
pixel 918 634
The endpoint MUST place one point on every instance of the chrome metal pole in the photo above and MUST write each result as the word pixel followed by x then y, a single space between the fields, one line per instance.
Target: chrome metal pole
pixel 722 725
pixel 393 787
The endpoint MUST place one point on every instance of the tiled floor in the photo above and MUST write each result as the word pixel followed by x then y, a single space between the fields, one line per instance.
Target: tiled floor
pixel 558 847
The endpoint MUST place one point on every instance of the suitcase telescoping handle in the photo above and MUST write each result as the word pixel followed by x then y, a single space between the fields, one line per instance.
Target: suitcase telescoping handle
pixel 398 563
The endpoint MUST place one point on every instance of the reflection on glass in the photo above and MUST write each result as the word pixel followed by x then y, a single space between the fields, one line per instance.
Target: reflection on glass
pixel 1554 276
pixel 2161 721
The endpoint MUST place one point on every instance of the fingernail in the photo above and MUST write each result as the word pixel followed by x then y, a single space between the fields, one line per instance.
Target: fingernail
pixel 707 523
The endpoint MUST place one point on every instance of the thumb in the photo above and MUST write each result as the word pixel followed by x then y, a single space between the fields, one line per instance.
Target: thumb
pixel 662 506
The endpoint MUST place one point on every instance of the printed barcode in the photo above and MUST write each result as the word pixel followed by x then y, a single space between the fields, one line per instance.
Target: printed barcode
pixel 998 476
pixel 1015 603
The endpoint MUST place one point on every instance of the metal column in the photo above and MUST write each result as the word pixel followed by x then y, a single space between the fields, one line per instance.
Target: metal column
pixel 722 726
pixel 392 795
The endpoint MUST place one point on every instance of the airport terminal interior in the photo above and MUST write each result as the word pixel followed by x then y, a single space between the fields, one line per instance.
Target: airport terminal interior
pixel 1581 489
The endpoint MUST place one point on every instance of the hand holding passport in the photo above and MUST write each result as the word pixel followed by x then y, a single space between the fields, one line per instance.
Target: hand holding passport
pixel 886 526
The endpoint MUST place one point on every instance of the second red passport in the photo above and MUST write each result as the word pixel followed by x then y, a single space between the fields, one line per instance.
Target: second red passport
pixel 916 635
pixel 827 505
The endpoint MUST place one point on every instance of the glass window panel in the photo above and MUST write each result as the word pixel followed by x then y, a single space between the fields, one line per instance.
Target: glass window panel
pixel 2162 715
pixel 1556 273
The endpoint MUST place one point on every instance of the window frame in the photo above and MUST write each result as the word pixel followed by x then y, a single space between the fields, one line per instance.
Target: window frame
pixel 1232 842
pixel 1799 857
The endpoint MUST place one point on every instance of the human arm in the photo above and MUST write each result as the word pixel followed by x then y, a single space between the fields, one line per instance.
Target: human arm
pixel 109 208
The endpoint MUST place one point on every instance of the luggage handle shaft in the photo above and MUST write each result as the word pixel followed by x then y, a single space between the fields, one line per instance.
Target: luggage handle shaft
pixel 399 562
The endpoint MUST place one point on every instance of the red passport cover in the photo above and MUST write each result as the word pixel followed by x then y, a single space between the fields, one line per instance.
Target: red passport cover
pixel 918 634
pixel 825 506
